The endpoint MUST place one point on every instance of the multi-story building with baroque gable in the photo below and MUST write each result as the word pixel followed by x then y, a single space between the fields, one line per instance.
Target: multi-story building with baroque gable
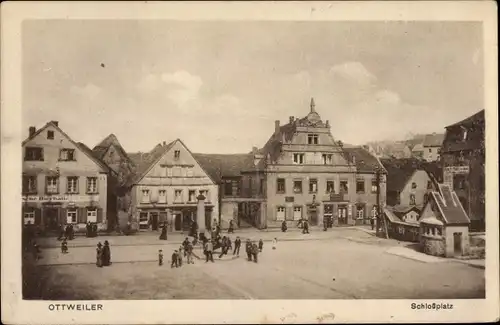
pixel 300 173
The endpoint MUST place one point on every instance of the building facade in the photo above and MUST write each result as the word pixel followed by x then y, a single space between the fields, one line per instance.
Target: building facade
pixel 444 225
pixel 62 182
pixel 166 188
pixel 111 152
pixel 308 175
pixel 408 183
pixel 463 159
pixel 432 147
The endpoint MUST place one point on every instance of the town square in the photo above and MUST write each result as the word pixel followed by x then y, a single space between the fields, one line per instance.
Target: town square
pixel 340 264
pixel 159 165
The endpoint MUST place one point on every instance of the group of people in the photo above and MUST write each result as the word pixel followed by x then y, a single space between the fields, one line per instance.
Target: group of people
pixel 103 254
pixel 302 223
pixel 91 229
pixel 67 232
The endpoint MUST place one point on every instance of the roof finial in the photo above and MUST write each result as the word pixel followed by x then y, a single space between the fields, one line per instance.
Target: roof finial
pixel 312 105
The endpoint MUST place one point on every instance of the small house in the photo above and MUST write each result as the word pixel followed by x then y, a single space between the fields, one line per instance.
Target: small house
pixel 444 224
pixel 399 229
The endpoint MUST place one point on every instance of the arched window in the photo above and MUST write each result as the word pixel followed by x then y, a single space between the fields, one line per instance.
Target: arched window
pixel 413 185
pixel 426 198
pixel 412 199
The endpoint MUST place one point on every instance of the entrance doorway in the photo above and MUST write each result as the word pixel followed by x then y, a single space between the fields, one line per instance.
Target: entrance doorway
pixel 51 218
pixel 457 243
pixel 186 221
pixel 154 220
pixel 313 216
pixel 342 215
pixel 328 215
pixel 177 221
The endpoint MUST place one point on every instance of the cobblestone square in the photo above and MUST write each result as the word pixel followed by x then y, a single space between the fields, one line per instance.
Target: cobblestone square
pixel 341 264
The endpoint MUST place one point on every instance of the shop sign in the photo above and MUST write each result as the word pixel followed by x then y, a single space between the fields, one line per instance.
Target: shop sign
pixel 457 169
pixel 60 198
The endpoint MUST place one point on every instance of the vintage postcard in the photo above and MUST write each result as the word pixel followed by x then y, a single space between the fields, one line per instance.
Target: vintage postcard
pixel 240 162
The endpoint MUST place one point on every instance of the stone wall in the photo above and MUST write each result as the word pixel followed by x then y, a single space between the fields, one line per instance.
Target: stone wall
pixel 432 245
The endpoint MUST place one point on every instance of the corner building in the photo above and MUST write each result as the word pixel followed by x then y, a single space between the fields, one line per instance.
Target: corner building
pixel 62 182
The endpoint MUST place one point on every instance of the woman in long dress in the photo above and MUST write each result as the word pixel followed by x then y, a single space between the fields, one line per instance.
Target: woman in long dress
pixel 106 254
pixel 99 255
pixel 163 235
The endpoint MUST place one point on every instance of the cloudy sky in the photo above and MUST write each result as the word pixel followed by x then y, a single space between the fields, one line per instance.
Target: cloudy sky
pixel 219 86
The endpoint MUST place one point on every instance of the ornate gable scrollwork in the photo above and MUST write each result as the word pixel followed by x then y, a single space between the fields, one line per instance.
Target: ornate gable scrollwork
pixel 311 122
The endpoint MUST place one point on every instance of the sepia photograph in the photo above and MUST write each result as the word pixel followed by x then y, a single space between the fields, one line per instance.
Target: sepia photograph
pixel 232 159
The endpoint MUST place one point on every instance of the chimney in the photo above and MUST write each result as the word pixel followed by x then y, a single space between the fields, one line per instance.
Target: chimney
pixel 164 143
pixel 56 123
pixel 32 130
pixel 291 119
pixel 327 123
pixel 276 126
pixel 254 150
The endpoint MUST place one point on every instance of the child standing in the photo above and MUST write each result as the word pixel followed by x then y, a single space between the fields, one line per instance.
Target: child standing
pixel 179 256
pixel 261 245
pixel 160 257
pixel 64 246
pixel 275 241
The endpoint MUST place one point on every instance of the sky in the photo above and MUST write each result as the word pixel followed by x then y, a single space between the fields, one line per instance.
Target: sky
pixel 219 86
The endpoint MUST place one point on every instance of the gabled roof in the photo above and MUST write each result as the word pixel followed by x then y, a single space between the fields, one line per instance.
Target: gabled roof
pixel 449 205
pixel 478 117
pixel 433 140
pixel 111 140
pixel 393 218
pixel 365 162
pixel 78 145
pixel 150 159
pixel 225 165
pixel 404 209
pixel 399 172
pixel 418 147
pixel 87 150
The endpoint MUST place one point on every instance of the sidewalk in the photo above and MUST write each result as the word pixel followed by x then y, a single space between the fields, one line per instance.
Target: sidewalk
pixel 414 255
pixel 152 238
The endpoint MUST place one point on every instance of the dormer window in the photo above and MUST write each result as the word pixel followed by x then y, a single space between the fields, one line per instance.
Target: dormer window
pixel 312 139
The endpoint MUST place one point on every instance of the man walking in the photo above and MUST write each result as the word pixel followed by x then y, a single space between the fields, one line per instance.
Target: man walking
pixel 189 252
pixel 248 249
pixel 209 250
pixel 305 227
pixel 237 245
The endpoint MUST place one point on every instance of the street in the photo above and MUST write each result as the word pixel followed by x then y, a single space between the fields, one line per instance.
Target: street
pixel 339 264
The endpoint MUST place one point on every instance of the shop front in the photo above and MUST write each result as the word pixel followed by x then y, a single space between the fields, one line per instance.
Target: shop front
pixel 48 213
pixel 336 211
pixel 177 218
